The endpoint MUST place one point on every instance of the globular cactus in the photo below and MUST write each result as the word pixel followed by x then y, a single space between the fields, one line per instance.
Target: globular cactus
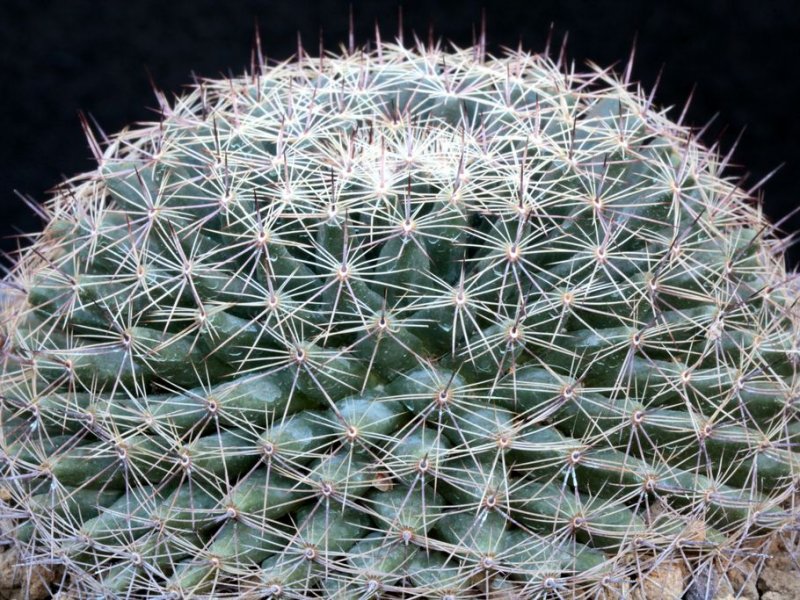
pixel 403 323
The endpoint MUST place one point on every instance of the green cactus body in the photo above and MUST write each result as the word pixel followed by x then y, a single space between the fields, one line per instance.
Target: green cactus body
pixel 398 323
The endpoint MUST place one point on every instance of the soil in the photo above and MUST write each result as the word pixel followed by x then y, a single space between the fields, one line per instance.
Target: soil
pixel 775 577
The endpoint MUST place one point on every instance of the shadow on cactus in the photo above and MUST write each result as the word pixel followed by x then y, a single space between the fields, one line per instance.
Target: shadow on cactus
pixel 399 323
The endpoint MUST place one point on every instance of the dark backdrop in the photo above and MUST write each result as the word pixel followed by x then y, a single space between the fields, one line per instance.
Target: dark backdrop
pixel 61 57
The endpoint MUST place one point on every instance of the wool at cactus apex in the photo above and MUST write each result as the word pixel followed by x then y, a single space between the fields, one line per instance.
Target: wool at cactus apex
pixel 99 58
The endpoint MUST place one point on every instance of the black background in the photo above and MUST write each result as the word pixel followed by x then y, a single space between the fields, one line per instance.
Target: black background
pixel 61 57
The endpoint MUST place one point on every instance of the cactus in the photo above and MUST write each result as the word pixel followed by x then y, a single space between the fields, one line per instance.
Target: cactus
pixel 403 323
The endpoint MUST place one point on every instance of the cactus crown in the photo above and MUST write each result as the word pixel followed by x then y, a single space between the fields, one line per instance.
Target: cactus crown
pixel 407 322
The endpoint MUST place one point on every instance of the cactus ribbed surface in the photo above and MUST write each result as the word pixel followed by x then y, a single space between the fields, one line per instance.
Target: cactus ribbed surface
pixel 399 323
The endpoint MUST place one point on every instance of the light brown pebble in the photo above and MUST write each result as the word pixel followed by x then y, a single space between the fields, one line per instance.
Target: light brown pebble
pixel 617 592
pixel 780 579
pixel 666 582
pixel 16 584
pixel 726 591
pixel 741 581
